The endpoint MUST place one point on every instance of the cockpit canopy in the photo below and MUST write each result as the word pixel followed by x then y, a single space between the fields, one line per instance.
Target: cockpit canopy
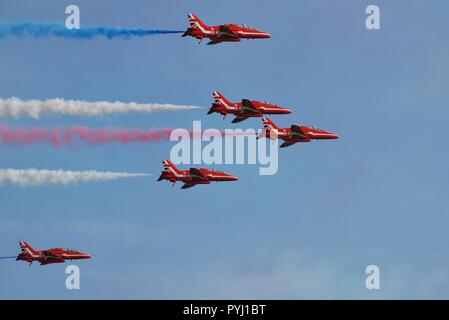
pixel 318 129
pixel 241 25
pixel 248 27
pixel 66 249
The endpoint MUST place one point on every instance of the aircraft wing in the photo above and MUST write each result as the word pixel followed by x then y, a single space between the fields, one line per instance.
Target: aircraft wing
pixel 249 107
pixel 296 131
pixel 225 32
pixel 188 185
pixel 52 256
pixel 286 144
pixel 238 119
pixel 212 42
pixel 195 174
pixel 49 261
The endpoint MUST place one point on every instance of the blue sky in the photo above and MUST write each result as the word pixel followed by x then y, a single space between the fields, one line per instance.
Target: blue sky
pixel 377 196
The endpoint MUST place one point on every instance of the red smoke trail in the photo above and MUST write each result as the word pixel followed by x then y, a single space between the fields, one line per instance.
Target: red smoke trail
pixel 60 137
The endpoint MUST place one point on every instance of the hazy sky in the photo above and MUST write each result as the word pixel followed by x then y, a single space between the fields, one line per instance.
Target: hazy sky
pixel 379 195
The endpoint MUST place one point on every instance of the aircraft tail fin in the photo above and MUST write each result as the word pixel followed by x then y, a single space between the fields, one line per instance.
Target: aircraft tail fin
pixel 268 124
pixel 170 167
pixel 196 22
pixel 220 99
pixel 26 248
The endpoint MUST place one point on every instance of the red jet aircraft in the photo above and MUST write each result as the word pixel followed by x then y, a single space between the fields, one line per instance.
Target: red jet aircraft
pixel 54 255
pixel 223 33
pixel 245 109
pixel 193 176
pixel 295 133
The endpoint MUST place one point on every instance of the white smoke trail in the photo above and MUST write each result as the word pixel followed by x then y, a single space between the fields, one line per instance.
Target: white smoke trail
pixel 34 177
pixel 16 107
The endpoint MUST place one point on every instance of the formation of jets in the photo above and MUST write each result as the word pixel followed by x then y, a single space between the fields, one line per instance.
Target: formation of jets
pixel 242 110
pixel 54 255
pixel 222 33
pixel 253 108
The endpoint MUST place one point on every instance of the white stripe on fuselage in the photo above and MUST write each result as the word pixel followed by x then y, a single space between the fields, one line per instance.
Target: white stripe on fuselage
pixel 278 132
pixel 268 108
pixel 247 33
pixel 317 134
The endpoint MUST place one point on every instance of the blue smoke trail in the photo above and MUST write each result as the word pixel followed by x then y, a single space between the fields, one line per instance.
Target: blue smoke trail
pixel 10 257
pixel 40 30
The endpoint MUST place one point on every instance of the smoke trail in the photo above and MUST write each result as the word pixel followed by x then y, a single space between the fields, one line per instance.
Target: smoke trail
pixel 10 257
pixel 15 107
pixel 34 177
pixel 60 137
pixel 39 30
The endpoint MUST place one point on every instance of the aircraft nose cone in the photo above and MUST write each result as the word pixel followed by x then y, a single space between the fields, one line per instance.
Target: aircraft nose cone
pixel 233 178
pixel 266 35
pixel 335 136
pixel 262 35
